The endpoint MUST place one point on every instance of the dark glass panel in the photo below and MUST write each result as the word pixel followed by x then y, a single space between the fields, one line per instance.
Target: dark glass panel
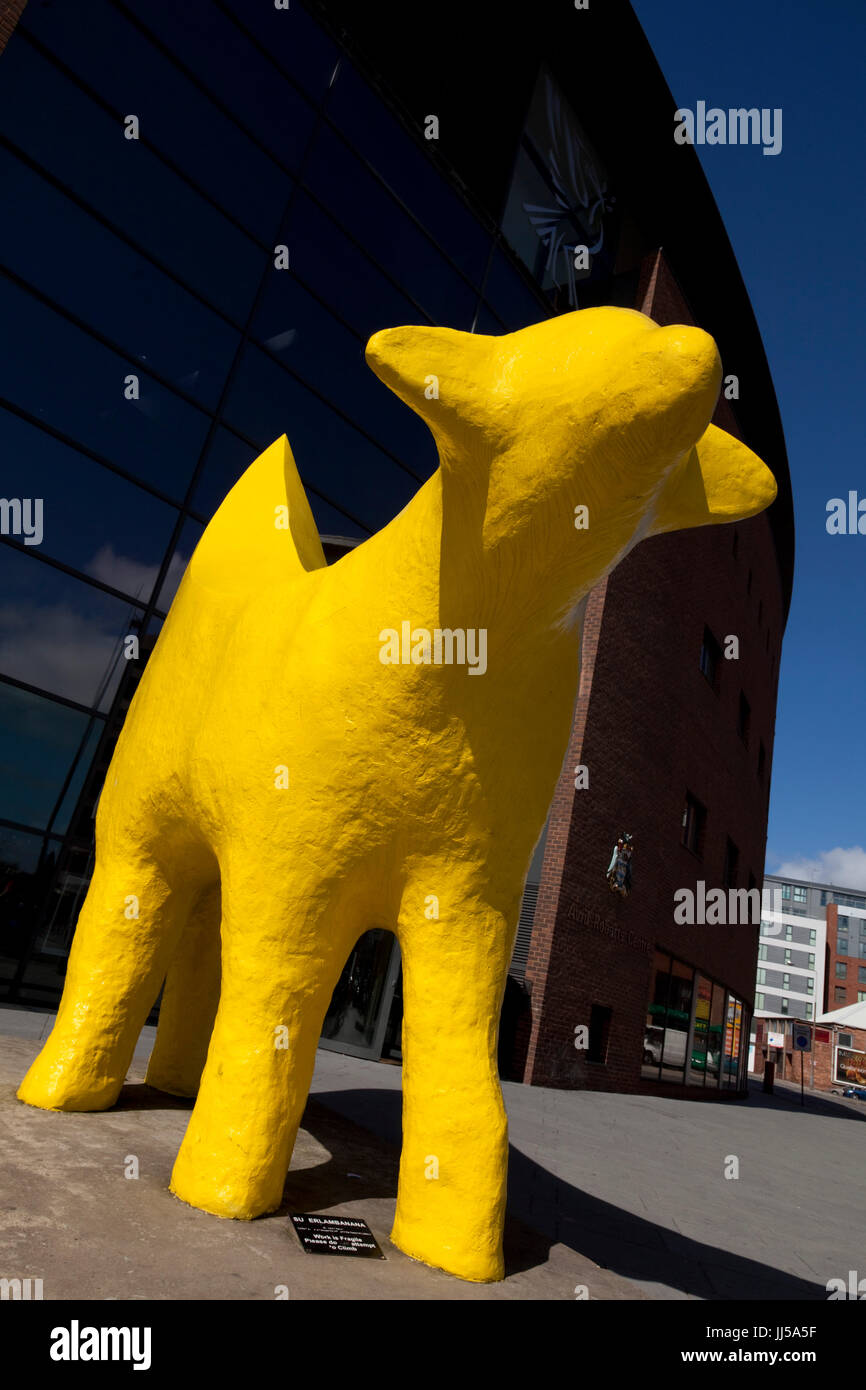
pixel 91 519
pixel 487 322
pixel 654 1029
pixel 60 633
pixel 370 127
pixel 374 219
pixel 69 806
pixel 130 72
pixel 65 879
pixel 23 886
pixel 73 260
pixel 677 1022
pixel 53 121
pixel 510 297
pixel 229 66
pixel 191 534
pixel 226 459
pixel 322 256
pixel 295 40
pixel 301 332
pixel 330 453
pixel 39 740
pixel 63 376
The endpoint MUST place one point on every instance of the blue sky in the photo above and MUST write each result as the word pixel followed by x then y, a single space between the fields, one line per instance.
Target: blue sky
pixel 797 222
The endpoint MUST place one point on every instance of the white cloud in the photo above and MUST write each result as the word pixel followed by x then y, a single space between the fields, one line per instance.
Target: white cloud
pixel 844 868
pixel 54 647
pixel 134 578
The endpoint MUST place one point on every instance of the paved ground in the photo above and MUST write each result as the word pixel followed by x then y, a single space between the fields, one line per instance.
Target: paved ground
pixel 624 1194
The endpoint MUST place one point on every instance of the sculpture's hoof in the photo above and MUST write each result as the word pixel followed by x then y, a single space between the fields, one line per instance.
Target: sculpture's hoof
pixel 236 1201
pixel 53 1086
pixel 474 1266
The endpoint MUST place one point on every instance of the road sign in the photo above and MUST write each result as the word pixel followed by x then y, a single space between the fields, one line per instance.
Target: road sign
pixel 803 1039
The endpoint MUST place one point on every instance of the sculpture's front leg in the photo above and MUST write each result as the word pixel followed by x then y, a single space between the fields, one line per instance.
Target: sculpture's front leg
pixel 453 1167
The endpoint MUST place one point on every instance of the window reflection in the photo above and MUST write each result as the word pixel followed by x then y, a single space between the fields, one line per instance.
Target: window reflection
pixel 38 741
pixel 230 66
pixel 378 136
pixel 83 504
pixel 127 69
pixel 26 865
pixel 360 202
pixel 59 633
pixel 67 379
pixel 51 119
pixel 342 274
pixel 110 287
pixel 301 332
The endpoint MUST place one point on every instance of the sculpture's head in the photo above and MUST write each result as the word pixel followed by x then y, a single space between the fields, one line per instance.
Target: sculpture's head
pixel 599 408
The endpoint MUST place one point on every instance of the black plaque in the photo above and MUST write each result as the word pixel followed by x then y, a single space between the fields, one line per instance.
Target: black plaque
pixel 336 1235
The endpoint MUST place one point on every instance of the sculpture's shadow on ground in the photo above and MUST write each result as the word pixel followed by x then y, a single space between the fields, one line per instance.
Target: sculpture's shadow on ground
pixel 361 1133
pixel 543 1209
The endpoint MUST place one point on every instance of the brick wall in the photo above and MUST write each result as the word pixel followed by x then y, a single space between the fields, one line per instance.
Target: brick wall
pixel 650 729
pixel 10 13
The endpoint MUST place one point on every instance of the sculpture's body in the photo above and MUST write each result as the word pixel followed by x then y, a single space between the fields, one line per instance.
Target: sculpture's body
pixel 408 785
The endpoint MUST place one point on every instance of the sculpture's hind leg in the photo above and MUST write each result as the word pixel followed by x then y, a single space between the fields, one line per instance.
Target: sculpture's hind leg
pixel 453 1166
pixel 123 942
pixel 280 962
pixel 189 1001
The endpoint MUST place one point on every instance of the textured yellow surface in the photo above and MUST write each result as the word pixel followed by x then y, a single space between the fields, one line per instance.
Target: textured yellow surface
pixel 275 775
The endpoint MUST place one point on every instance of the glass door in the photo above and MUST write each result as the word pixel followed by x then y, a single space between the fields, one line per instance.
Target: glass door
pixel 361 1005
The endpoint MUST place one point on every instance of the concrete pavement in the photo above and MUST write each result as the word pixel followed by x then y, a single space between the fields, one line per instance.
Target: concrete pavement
pixel 624 1194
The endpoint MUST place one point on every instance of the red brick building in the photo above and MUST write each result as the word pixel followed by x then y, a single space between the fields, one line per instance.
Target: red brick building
pixel 677 741
pixel 835 1059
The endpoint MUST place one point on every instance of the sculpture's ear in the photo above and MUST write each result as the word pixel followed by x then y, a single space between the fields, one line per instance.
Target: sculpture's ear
pixel 441 373
pixel 263 533
pixel 721 480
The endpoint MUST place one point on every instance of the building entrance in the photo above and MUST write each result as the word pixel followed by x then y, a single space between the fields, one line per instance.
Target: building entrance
pixel 366 1010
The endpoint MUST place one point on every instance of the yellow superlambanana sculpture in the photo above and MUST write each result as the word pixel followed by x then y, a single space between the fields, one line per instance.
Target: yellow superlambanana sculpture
pixel 317 750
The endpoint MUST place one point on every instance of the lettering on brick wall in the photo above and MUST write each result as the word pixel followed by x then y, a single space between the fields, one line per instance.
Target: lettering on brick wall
pixel 603 927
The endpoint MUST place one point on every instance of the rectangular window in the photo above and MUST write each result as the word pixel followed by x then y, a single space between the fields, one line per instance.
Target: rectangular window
pixel 813 937
pixel 841 970
pixel 786 980
pixel 732 862
pixel 810 985
pixel 711 655
pixel 694 823
pixel 846 1039
pixel 784 1005
pixel 839 994
pixel 861 995
pixel 762 952
pixel 599 1033
pixel 786 890
pixel 789 932
pixel 759 1001
pixel 789 958
pixel 808 1010
pixel 861 974
pixel 744 719
pixel 811 962
pixel 842 923
pixel 799 894
pixel 762 977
